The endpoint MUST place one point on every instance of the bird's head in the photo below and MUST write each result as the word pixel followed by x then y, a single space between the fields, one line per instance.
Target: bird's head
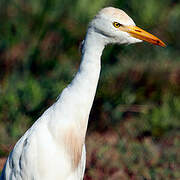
pixel 117 27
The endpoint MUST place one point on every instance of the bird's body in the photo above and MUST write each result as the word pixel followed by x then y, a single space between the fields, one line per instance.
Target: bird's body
pixel 54 147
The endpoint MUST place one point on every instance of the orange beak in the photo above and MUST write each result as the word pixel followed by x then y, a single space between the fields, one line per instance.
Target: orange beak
pixel 142 35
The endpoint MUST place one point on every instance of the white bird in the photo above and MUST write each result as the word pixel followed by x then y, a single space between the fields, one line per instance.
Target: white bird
pixel 54 147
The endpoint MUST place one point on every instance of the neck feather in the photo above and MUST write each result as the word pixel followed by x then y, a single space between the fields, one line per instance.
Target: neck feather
pixel 85 82
pixel 74 104
pixel 78 97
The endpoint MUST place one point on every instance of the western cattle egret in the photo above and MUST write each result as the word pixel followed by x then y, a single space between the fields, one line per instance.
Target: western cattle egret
pixel 54 147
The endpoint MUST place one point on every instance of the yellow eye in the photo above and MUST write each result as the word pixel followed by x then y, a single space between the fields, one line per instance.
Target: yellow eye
pixel 116 24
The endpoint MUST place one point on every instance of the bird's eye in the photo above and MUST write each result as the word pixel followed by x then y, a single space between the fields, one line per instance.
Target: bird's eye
pixel 116 24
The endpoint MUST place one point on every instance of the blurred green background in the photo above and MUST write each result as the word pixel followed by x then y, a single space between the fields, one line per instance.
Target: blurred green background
pixel 135 119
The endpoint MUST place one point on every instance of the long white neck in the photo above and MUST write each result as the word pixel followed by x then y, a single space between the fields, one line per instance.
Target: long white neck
pixel 85 81
pixel 76 100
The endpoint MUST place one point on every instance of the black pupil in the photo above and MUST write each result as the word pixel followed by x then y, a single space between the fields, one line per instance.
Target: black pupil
pixel 117 24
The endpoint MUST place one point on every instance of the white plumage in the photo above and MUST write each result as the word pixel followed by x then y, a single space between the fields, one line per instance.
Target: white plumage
pixel 54 147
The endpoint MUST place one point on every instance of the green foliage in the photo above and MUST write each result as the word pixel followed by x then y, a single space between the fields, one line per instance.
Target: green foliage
pixel 166 117
pixel 39 56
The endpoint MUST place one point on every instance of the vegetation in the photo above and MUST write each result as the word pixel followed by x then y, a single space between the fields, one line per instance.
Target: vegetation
pixel 134 122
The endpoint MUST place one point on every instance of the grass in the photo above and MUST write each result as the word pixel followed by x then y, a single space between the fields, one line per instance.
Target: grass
pixel 123 153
